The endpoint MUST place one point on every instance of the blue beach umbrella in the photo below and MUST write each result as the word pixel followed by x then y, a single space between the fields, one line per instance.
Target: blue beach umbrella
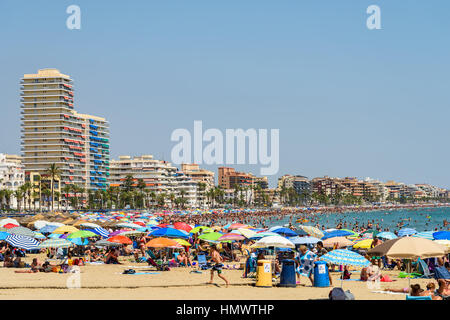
pixel 99 231
pixel 22 242
pixel 78 241
pixel 346 258
pixel 285 232
pixel 304 240
pixel 441 235
pixel 405 232
pixel 387 235
pixel 264 234
pixel 274 228
pixel 336 233
pixel 169 232
pixel 425 234
pixel 48 229
pixel 4 235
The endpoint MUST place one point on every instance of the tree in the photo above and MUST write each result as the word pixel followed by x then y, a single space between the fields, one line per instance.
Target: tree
pixel 128 183
pixel 54 173
pixel 18 194
pixel 66 190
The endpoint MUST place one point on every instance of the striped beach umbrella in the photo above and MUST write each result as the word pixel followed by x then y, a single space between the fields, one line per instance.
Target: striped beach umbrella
pixel 55 243
pixel 22 242
pixel 346 258
pixel 425 234
pixel 406 232
pixel 312 231
pixel 304 240
pixel 387 235
pixel 22 231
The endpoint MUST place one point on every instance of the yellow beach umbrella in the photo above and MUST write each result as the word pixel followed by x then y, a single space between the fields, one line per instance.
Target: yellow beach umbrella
pixel 363 244
pixel 247 232
pixel 63 229
pixel 183 242
pixel 445 243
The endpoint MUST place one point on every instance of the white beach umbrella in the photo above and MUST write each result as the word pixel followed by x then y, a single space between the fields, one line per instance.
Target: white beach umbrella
pixel 8 220
pixel 39 224
pixel 273 241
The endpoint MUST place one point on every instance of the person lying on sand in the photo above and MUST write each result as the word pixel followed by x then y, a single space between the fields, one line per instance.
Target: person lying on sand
pixel 35 267
pixel 416 290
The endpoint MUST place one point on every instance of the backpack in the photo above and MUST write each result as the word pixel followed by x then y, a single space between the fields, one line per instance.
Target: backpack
pixel 340 294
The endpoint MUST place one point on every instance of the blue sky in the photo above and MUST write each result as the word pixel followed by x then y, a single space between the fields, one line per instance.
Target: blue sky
pixel 348 101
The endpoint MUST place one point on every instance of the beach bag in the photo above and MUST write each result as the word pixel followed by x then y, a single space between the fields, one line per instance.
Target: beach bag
pixel 340 294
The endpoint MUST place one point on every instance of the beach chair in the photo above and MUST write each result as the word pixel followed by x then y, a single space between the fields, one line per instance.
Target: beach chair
pixel 423 268
pixel 387 266
pixel 408 297
pixel 441 273
pixel 202 262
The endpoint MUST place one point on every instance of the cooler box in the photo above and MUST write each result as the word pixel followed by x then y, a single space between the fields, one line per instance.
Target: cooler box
pixel 321 278
pixel 264 273
pixel 288 276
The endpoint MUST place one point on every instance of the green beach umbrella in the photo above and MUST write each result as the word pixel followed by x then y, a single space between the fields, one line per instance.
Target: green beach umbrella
pixel 81 234
pixel 204 229
pixel 353 235
pixel 210 236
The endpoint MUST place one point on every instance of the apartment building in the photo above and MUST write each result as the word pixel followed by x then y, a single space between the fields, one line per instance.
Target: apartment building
pixel 12 174
pixel 53 132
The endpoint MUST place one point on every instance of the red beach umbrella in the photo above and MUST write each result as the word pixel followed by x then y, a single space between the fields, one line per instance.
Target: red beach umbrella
pixel 182 226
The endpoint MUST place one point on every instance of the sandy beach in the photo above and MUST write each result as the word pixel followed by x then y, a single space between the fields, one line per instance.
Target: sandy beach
pixel 107 282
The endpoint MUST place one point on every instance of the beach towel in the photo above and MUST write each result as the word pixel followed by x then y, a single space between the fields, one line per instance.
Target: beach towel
pixel 388 292
pixel 306 263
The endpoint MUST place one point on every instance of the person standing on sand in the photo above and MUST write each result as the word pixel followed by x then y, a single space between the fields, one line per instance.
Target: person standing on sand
pixel 218 264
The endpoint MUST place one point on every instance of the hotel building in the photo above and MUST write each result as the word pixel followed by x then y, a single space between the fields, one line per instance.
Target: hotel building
pixel 53 132
pixel 11 174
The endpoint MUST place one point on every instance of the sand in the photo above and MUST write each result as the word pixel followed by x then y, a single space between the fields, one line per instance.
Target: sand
pixel 107 282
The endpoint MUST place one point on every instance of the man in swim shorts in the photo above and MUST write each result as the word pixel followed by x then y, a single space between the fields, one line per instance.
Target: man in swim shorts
pixel 218 264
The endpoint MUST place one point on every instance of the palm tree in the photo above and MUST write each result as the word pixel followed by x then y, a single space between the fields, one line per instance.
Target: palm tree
pixel 58 195
pixel 18 194
pixel 54 173
pixel 47 194
pixel 66 190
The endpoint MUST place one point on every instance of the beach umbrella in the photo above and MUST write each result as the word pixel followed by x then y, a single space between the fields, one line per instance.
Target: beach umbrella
pixel 38 235
pixel 106 243
pixel 64 229
pixel 445 243
pixel 163 243
pixel 169 232
pixel 353 234
pixel 89 225
pixel 79 241
pixel 39 224
pixel 441 235
pixel 372 232
pixel 336 233
pixel 346 258
pixel 55 243
pixel 285 232
pixel 4 235
pixel 273 241
pixel 10 225
pixel 183 242
pixel 340 241
pixel 128 225
pixel 120 239
pixel 405 232
pixel 408 248
pixel 204 229
pixel 81 234
pixel 231 236
pixel 274 228
pixel 48 229
pixel 260 235
pixel 5 222
pixel 21 231
pixel 304 240
pixel 247 232
pixel 22 242
pixel 300 232
pixel 100 231
pixel 363 244
pixel 312 231
pixel 210 236
pixel 237 226
pixel 387 235
pixel 133 233
pixel 115 233
pixel 425 234
pixel 182 226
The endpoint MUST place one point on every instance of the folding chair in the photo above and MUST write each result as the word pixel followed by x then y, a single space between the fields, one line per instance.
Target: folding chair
pixel 202 262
